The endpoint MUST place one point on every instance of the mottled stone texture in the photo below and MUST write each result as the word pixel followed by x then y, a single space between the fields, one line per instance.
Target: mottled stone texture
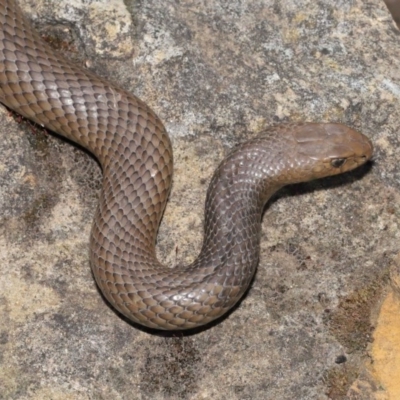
pixel 216 72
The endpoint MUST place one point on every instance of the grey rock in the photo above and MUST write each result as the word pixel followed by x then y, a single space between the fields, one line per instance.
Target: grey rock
pixel 216 73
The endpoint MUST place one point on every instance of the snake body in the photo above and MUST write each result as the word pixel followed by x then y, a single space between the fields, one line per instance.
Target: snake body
pixel 135 153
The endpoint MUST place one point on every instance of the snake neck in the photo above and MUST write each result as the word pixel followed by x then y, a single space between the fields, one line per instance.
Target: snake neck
pixel 235 199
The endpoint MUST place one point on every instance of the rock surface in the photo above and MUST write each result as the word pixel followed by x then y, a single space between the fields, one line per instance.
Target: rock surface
pixel 216 73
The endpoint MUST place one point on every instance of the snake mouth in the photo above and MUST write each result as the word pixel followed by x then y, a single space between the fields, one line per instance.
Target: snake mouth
pixel 338 162
pixel 344 164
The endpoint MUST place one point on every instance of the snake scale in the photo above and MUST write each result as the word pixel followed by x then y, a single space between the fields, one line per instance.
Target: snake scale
pixel 135 153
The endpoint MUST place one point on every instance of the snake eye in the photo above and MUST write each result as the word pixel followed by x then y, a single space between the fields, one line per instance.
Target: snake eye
pixel 338 162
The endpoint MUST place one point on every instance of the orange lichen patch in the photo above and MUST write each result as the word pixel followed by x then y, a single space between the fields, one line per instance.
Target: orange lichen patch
pixel 386 347
pixel 352 323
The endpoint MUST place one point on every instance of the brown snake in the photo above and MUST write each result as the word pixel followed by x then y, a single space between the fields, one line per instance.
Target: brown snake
pixel 135 152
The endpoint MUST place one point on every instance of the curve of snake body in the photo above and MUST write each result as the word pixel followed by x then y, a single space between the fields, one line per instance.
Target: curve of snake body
pixel 135 152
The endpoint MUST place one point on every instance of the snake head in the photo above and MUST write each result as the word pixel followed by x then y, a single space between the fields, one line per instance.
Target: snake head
pixel 328 149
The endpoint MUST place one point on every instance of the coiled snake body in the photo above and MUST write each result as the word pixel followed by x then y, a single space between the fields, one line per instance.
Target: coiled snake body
pixel 136 156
